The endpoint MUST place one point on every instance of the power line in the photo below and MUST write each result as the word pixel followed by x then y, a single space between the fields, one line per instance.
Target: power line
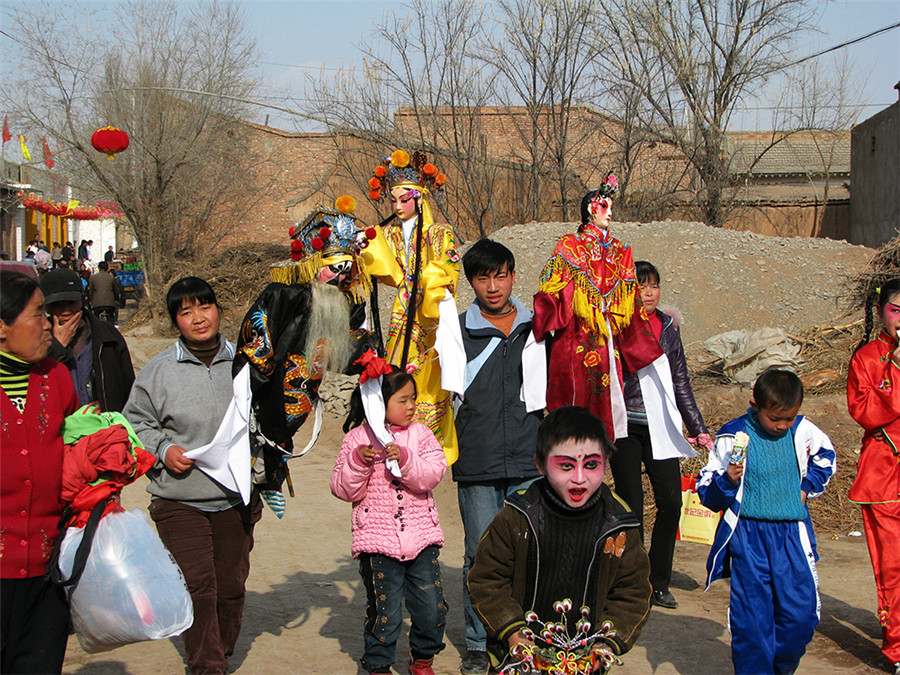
pixel 290 65
pixel 844 44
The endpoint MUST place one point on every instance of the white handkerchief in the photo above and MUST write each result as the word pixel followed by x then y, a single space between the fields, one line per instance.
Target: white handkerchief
pixel 534 374
pixel 449 345
pixel 663 418
pixel 373 405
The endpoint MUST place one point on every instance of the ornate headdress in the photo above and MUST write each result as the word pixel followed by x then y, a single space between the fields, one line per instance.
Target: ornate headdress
pixel 327 237
pixel 609 185
pixel 402 170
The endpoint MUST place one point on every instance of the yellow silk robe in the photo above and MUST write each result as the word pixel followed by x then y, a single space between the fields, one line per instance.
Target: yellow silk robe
pixel 387 259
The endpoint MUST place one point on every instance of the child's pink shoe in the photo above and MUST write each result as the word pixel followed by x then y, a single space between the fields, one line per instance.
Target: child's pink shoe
pixel 420 666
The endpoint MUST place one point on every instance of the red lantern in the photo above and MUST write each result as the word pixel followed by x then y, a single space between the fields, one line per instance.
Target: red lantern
pixel 109 141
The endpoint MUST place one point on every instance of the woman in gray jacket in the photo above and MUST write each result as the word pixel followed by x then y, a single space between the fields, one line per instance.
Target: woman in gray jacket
pixel 177 403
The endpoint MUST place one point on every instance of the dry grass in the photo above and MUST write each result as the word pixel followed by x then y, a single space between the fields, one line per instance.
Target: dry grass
pixel 885 265
pixel 238 274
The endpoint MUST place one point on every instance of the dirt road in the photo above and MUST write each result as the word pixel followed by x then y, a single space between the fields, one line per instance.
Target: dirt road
pixel 305 604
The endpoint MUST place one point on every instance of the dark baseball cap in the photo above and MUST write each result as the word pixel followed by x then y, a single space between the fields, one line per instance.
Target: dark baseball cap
pixel 62 286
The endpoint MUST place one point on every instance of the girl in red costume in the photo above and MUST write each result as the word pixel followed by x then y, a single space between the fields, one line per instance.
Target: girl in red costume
pixel 873 396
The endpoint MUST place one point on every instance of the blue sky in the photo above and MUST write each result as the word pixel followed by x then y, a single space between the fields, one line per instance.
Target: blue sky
pixel 299 36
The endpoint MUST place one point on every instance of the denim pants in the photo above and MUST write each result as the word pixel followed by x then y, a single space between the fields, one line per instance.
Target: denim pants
pixel 478 504
pixel 387 582
pixel 212 548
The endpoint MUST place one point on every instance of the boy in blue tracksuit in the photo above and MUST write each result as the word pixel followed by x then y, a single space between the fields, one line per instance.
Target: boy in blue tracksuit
pixel 765 540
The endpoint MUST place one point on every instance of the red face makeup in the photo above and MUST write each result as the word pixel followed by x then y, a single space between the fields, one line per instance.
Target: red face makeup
pixel 575 470
pixel 403 202
pixel 601 210
pixel 890 316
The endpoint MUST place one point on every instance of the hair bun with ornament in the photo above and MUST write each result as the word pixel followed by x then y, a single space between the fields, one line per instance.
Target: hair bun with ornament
pixel 609 185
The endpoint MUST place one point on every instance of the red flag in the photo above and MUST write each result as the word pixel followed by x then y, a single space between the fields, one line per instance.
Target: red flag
pixel 48 158
pixel 6 135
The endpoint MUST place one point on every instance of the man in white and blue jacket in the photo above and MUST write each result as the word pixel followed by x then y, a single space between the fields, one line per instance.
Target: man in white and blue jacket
pixel 499 413
pixel 765 540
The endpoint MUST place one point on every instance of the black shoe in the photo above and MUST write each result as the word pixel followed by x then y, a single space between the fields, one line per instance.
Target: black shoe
pixel 663 599
pixel 475 663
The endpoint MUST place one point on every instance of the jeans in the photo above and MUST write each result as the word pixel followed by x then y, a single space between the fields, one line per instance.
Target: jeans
pixel 212 548
pixel 478 504
pixel 387 582
pixel 665 479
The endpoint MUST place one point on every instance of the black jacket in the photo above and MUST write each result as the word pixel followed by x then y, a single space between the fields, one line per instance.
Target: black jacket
pixel 670 341
pixel 496 435
pixel 111 371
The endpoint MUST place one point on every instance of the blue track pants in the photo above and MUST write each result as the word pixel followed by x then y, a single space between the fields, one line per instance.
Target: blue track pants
pixel 774 595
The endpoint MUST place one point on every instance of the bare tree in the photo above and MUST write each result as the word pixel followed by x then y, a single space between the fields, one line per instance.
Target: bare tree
pixel 174 82
pixel 547 61
pixel 824 105
pixel 693 63
pixel 421 88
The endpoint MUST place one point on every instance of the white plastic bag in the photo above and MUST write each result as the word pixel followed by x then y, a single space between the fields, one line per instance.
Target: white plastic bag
pixel 131 589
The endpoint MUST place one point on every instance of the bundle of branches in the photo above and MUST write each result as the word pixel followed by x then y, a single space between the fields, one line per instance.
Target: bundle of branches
pixel 237 274
pixel 885 265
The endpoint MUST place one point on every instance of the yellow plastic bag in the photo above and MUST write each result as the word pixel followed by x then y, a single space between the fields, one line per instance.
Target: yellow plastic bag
pixel 697 523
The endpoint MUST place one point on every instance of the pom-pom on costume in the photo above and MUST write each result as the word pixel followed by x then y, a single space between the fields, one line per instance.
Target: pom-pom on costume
pixel 590 297
pixel 425 265
pixel 873 397
pixel 287 362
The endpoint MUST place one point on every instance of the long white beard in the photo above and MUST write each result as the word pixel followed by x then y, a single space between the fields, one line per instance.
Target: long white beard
pixel 329 321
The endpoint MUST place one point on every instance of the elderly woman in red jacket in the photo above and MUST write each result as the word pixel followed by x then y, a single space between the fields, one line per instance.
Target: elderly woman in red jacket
pixel 36 394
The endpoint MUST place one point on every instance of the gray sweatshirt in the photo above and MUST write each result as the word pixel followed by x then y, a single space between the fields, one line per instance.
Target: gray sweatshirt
pixel 177 400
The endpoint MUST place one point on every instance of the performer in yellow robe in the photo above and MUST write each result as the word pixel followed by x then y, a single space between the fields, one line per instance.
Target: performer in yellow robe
pixel 429 277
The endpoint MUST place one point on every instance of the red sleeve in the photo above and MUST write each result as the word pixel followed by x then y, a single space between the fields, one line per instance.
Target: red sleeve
pixel 873 390
pixel 637 345
pixel 552 312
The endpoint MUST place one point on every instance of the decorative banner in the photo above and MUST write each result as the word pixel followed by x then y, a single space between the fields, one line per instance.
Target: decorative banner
pixel 48 158
pixel 71 210
pixel 6 135
pixel 25 154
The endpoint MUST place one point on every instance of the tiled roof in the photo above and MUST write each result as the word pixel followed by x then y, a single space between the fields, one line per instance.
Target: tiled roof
pixel 797 154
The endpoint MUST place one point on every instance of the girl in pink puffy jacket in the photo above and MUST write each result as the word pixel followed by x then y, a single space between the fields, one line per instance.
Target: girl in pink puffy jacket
pixel 396 531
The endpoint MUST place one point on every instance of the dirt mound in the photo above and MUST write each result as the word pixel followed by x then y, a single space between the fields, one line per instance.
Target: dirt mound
pixel 719 279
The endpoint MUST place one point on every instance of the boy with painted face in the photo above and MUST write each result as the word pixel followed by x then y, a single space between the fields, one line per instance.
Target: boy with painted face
pixel 566 536
pixel 761 471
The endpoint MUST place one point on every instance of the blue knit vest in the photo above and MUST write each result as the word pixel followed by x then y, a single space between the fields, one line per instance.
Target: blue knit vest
pixel 772 478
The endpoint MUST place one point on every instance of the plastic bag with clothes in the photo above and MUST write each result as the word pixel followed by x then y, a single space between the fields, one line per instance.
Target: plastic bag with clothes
pixel 131 589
